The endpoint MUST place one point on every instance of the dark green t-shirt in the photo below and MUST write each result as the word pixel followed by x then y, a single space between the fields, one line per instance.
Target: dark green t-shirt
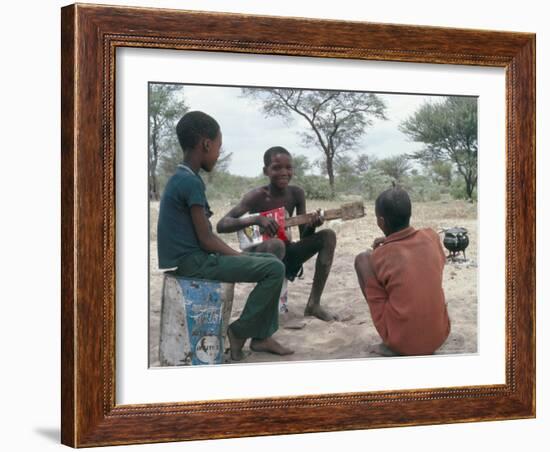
pixel 176 237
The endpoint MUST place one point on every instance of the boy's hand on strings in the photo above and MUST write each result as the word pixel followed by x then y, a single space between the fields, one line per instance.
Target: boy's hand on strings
pixel 316 219
pixel 377 242
pixel 267 225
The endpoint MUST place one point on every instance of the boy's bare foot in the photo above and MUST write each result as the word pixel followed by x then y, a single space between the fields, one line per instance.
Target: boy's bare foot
pixel 235 345
pixel 269 345
pixel 317 311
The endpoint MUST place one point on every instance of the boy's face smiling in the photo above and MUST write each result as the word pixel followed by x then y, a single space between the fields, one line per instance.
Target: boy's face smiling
pixel 279 171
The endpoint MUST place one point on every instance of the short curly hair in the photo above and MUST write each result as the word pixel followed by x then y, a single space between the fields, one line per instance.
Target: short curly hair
pixel 193 126
pixel 394 205
pixel 273 151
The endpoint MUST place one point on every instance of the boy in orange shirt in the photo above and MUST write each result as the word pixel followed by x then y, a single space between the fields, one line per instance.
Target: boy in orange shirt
pixel 401 279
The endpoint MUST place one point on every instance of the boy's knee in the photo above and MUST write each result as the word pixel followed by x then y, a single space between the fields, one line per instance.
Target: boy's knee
pixel 277 268
pixel 276 247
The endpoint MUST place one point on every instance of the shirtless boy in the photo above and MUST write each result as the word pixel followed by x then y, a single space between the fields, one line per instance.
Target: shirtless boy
pixel 278 193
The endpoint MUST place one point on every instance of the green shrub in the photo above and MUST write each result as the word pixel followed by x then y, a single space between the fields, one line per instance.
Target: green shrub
pixel 458 190
pixel 421 188
pixel 374 182
pixel 315 187
pixel 349 185
pixel 229 186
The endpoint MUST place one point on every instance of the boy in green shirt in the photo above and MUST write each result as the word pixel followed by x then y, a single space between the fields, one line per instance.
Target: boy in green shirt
pixel 187 244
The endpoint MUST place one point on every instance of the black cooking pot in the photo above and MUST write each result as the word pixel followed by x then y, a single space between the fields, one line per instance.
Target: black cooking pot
pixel 456 240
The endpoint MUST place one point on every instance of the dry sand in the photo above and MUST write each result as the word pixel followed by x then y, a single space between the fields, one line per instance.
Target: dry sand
pixel 354 334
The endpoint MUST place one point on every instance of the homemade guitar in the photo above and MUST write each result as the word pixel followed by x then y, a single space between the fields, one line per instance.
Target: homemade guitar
pixel 252 235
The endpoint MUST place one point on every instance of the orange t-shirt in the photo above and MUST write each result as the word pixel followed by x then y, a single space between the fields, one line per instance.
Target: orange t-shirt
pixel 406 298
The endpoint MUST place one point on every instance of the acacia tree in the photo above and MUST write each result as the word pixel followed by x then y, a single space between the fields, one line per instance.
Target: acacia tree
pixel 336 119
pixel 449 131
pixel 301 165
pixel 395 167
pixel 441 173
pixel 166 107
pixel 344 167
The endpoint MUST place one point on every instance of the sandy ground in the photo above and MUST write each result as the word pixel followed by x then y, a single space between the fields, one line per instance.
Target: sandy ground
pixel 354 334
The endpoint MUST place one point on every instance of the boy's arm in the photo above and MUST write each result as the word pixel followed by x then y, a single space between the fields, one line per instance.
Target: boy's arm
pixel 363 269
pixel 208 241
pixel 232 221
pixel 374 292
pixel 305 229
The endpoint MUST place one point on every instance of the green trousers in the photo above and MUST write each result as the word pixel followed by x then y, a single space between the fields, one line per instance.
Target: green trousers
pixel 260 316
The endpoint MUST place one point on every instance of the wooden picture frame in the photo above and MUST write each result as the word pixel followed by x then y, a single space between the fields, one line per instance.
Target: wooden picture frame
pixel 90 36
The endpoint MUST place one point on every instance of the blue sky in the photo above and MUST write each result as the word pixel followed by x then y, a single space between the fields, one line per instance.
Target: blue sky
pixel 247 133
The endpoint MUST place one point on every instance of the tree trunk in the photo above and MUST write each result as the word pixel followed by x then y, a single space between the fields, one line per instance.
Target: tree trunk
pixel 153 160
pixel 469 189
pixel 330 172
pixel 153 184
pixel 468 179
pixel 153 187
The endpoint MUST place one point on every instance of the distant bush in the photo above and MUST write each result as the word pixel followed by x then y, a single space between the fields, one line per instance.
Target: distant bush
pixel 315 187
pixel 367 185
pixel 229 186
pixel 458 190
pixel 349 185
pixel 374 182
pixel 421 188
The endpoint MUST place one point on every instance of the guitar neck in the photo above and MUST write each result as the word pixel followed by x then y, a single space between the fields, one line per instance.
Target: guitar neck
pixel 305 218
pixel 345 212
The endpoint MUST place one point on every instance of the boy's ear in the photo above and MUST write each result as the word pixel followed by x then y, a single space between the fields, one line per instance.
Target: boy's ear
pixel 205 144
pixel 265 170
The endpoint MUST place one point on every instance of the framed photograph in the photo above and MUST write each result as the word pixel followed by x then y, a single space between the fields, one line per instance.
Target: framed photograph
pixel 138 368
pixel 376 154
